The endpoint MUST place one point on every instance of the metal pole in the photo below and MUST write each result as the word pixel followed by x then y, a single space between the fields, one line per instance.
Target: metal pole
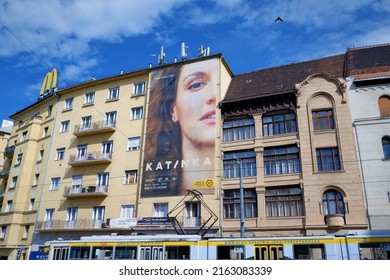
pixel 242 213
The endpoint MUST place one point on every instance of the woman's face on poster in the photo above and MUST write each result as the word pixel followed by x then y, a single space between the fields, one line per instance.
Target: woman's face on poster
pixel 195 105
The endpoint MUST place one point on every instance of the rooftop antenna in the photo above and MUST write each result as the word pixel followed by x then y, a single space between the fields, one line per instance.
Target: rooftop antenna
pixel 204 51
pixel 183 51
pixel 161 56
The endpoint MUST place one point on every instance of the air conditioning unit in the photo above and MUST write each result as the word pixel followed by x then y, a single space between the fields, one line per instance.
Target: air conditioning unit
pixel 91 156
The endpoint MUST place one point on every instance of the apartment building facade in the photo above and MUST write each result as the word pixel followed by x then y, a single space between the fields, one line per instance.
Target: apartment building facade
pixel 116 156
pixel 369 95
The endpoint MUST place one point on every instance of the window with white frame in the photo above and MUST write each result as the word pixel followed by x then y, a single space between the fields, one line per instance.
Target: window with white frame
pixel 49 217
pixel 89 98
pixel 77 181
pixel 103 179
pixel 24 136
pixel 60 154
pixel 136 113
pixel 64 126
pixel 110 118
pixel 3 232
pixel 160 209
pixel 68 105
pixel 127 211
pixel 40 156
pixel 139 88
pixel 19 158
pixel 26 231
pixel 113 93
pixel 45 131
pixel 86 123
pixel 71 217
pixel 98 213
pixel 133 143
pixel 55 184
pixel 32 204
pixel 9 206
pixel 14 181
pixel 130 177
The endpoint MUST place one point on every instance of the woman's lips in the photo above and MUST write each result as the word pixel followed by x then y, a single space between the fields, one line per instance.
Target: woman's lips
pixel 209 117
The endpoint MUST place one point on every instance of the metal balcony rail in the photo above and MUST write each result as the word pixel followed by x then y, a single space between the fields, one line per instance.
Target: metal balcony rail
pixel 94 126
pixel 79 224
pixel 4 172
pixel 9 151
pixel 90 157
pixel 85 190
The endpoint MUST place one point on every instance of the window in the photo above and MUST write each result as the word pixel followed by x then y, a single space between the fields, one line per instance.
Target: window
pixel 86 123
pixel 55 184
pixel 130 177
pixel 384 106
pixel 281 160
pixel 113 93
pixel 139 88
pixel 332 203
pixel 231 204
pixel 136 113
pixel 26 231
pixel 9 206
pixel 77 181
pixel 36 179
pixel 328 159
pixel 71 217
pixel 160 209
pixel 110 118
pixel 107 149
pixel 32 204
pixel 3 232
pixel 133 143
pixel 386 147
pixel 60 154
pixel 40 156
pixel 323 120
pixel 49 110
pixel 309 252
pixel 127 211
pixel 49 217
pixel 89 98
pixel 231 166
pixel 45 131
pixel 19 159
pixel 68 104
pixel 24 136
pixel 234 130
pixel 103 179
pixel 14 181
pixel 279 124
pixel 98 215
pixel 64 126
pixel 283 202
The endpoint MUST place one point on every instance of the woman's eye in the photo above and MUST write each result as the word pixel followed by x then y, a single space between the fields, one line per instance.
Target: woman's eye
pixel 196 85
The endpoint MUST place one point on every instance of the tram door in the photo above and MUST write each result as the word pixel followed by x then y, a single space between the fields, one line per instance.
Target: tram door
pixel 151 253
pixel 269 252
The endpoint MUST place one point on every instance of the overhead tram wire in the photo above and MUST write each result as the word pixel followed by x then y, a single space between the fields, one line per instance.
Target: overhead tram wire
pixel 26 46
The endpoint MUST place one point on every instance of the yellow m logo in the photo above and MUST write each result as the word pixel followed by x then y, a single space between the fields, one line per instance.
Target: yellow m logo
pixel 50 82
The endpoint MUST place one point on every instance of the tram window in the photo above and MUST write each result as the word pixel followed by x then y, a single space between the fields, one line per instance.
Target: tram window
pixel 374 251
pixel 309 252
pixel 177 252
pixel 230 252
pixel 79 253
pixel 126 253
pixel 102 253
pixel 60 253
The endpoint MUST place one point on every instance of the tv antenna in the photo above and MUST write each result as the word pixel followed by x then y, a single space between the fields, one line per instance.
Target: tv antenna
pixel 183 51
pixel 204 51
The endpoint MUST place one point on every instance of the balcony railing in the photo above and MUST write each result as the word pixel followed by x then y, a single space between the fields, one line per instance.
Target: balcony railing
pixel 80 224
pixel 94 128
pixel 9 151
pixel 90 158
pixel 4 172
pixel 85 191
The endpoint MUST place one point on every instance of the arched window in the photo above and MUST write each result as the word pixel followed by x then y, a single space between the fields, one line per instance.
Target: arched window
pixel 384 106
pixel 333 203
pixel 386 147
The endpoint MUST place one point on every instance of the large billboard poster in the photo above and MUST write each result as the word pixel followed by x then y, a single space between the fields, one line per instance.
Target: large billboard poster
pixel 181 130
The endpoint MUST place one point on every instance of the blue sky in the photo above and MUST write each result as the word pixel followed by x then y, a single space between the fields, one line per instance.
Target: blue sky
pixel 98 38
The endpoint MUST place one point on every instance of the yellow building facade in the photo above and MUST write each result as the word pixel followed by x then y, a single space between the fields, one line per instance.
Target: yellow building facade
pixel 119 155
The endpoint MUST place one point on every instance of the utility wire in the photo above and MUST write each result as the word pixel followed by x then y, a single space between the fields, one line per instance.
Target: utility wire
pixel 26 46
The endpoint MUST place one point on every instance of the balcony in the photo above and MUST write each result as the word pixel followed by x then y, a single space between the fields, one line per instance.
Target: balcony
pixel 61 225
pixel 90 158
pixel 94 128
pixel 85 191
pixel 4 172
pixel 9 151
